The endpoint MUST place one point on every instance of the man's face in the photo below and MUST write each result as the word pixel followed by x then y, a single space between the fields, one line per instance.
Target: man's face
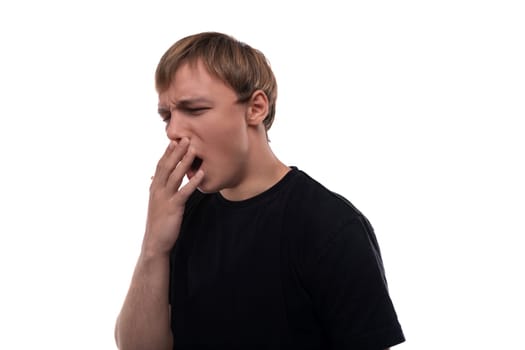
pixel 202 108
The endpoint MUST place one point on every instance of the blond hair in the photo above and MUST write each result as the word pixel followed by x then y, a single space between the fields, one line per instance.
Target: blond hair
pixel 240 66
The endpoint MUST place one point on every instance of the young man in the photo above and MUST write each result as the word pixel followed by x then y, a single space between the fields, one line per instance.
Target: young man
pixel 261 255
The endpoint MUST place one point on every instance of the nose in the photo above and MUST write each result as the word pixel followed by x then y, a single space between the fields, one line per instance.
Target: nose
pixel 175 128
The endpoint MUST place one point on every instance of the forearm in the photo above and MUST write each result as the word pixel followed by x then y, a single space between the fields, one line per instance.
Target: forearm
pixel 144 321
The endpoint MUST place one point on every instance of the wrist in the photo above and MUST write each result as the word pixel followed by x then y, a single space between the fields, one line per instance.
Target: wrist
pixel 153 247
pixel 149 254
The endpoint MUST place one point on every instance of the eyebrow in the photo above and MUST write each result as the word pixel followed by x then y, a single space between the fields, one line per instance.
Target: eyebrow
pixel 192 101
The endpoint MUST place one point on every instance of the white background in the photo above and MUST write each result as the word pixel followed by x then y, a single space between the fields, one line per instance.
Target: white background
pixel 413 110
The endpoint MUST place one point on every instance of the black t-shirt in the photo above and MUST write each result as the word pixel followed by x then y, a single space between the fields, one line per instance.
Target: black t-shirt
pixel 295 267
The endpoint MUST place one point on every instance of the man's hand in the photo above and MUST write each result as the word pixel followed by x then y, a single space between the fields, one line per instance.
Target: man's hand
pixel 167 199
pixel 144 321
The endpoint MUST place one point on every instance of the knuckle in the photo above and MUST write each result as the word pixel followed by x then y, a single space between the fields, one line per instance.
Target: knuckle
pixel 153 188
pixel 155 191
pixel 159 166
pixel 183 193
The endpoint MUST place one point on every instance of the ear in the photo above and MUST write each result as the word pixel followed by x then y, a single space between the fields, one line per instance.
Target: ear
pixel 257 108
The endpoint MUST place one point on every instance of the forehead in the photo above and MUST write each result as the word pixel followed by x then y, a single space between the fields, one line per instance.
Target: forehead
pixel 194 81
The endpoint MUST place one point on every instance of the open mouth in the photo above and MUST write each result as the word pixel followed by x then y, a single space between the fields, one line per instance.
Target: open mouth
pixel 196 164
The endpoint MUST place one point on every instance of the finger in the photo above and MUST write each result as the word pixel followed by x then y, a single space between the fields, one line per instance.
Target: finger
pixel 177 175
pixel 185 191
pixel 173 157
pixel 162 160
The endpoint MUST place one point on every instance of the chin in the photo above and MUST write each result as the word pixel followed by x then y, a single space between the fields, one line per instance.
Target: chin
pixel 205 187
pixel 216 182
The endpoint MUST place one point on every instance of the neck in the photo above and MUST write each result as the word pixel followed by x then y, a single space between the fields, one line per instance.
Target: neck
pixel 262 171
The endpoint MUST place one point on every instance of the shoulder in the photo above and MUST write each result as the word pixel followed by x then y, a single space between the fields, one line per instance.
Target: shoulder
pixel 314 201
pixel 317 218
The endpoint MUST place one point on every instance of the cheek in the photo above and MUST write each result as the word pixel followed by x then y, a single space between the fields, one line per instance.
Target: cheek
pixel 227 151
pixel 229 136
pixel 231 145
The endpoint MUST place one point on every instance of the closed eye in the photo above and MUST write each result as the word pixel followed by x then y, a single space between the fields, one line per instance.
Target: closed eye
pixel 195 111
pixel 165 117
pixel 165 114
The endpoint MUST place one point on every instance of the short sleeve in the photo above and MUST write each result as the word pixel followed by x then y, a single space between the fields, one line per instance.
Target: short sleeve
pixel 349 291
